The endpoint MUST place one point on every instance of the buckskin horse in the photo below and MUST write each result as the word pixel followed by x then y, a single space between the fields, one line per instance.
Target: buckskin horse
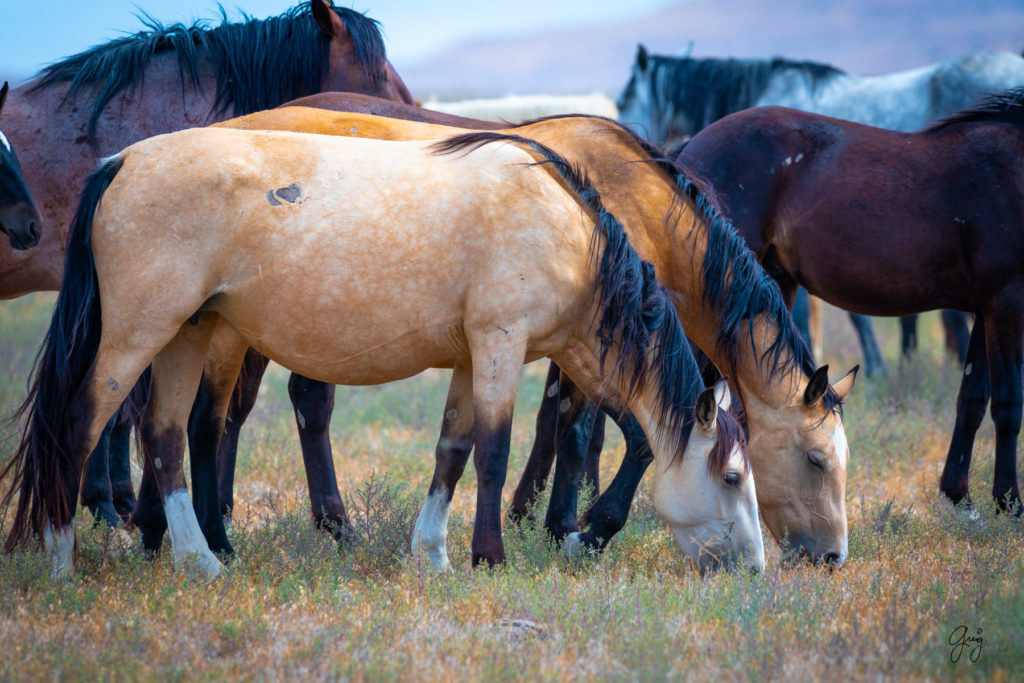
pixel 95 104
pixel 732 310
pixel 672 98
pixel 888 223
pixel 538 268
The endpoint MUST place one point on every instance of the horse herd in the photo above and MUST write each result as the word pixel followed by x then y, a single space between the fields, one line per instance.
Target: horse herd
pixel 355 238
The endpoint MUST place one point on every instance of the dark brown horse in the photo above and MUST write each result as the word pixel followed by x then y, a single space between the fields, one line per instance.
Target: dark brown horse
pixel 95 104
pixel 887 223
pixel 19 219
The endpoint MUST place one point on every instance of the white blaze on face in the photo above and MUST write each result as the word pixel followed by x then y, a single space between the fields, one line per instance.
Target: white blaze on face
pixel 60 545
pixel 431 531
pixel 186 536
pixel 4 141
pixel 840 445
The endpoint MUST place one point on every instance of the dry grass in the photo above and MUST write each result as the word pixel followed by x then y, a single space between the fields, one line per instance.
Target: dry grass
pixel 293 605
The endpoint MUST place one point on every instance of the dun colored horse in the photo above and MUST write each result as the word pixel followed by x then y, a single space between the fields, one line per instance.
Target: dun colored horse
pixel 887 223
pixel 729 306
pixel 19 219
pixel 96 104
pixel 359 261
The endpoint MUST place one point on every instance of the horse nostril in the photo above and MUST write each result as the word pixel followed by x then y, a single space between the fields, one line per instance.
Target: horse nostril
pixel 33 230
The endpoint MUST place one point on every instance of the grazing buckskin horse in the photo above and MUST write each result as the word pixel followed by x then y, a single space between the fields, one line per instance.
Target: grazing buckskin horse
pixel 19 219
pixel 672 98
pixel 731 309
pixel 887 223
pixel 498 260
pixel 156 81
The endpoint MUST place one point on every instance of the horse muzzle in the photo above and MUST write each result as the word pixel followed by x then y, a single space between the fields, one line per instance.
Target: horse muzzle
pixel 22 226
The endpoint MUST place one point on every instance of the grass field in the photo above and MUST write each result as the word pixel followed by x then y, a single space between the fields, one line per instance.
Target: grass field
pixel 292 604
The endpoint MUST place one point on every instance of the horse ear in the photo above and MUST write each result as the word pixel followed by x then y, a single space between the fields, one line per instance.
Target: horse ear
pixel 641 56
pixel 816 386
pixel 3 95
pixel 723 397
pixel 844 386
pixel 706 410
pixel 326 18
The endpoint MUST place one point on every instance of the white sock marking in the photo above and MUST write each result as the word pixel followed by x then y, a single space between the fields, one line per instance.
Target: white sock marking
pixel 60 545
pixel 431 531
pixel 186 536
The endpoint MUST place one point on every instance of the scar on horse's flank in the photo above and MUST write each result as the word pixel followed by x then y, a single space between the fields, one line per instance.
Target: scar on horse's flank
pixel 290 194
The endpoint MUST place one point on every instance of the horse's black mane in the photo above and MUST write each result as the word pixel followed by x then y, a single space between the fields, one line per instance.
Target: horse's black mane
pixel 1005 106
pixel 260 63
pixel 735 284
pixel 705 90
pixel 633 309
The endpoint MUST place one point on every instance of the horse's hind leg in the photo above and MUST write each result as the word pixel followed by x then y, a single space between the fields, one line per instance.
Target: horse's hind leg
pixel 908 335
pixel 873 360
pixel 1005 340
pixel 542 455
pixel 430 534
pixel 313 402
pixel 955 324
pixel 97 491
pixel 121 468
pixel 970 411
pixel 242 401
pixel 176 373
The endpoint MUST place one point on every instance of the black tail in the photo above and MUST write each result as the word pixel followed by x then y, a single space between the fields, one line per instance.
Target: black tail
pixel 44 474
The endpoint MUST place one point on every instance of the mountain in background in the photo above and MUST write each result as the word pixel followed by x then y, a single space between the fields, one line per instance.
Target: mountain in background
pixel 860 36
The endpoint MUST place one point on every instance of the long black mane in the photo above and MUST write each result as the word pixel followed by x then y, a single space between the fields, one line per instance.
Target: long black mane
pixel 1005 106
pixel 736 287
pixel 634 311
pixel 705 90
pixel 260 63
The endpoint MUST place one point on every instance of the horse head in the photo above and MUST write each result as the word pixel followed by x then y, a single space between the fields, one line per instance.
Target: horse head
pixel 708 497
pixel 19 219
pixel 357 62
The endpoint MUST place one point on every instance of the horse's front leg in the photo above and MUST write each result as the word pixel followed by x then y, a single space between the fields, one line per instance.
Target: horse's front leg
pixel 430 534
pixel 242 401
pixel 874 363
pixel 313 402
pixel 176 374
pixel 576 417
pixel 497 362
pixel 1005 338
pixel 970 411
pixel 97 491
pixel 542 455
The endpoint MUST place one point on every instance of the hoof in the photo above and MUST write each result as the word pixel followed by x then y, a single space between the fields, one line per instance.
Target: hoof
pixel 574 547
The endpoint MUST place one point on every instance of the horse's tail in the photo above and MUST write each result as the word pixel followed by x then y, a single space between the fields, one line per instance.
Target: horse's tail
pixel 43 471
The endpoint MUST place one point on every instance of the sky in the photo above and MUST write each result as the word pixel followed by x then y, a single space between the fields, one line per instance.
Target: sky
pixel 414 29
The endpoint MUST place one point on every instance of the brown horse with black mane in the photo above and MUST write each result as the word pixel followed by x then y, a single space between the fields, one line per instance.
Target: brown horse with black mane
pixel 194 76
pixel 886 223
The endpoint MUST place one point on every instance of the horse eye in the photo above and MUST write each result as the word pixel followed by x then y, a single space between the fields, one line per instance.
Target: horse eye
pixel 732 479
pixel 815 459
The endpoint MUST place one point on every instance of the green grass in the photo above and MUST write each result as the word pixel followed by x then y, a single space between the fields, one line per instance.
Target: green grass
pixel 293 604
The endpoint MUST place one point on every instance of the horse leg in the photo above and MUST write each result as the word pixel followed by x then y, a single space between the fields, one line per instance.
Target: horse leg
pixel 496 369
pixel 205 429
pixel 814 325
pixel 572 441
pixel 955 325
pixel 801 313
pixel 313 402
pixel 1005 338
pixel 121 468
pixel 908 335
pixel 608 514
pixel 873 360
pixel 430 534
pixel 242 401
pixel 542 454
pixel 970 411
pixel 592 463
pixel 177 371
pixel 97 492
